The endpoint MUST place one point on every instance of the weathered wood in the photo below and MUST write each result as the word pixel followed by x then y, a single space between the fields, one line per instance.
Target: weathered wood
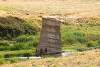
pixel 50 38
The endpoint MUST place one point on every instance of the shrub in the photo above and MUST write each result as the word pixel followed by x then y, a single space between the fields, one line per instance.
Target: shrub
pixel 2 61
pixel 80 36
pixel 1 56
pixel 72 37
pixel 93 44
pixel 82 49
pixel 4 43
pixel 2 48
pixel 17 53
pixel 25 42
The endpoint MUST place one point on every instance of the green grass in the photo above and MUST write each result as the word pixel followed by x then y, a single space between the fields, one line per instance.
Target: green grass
pixel 25 20
pixel 82 37
pixel 12 56
pixel 11 60
pixel 16 53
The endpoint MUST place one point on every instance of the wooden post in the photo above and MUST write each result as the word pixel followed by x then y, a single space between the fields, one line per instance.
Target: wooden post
pixel 50 37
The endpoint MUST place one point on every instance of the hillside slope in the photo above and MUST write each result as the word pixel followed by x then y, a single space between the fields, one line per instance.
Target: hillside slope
pixel 36 8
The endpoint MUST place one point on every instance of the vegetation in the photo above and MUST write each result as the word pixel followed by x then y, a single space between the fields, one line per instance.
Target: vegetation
pixel 73 38
pixel 76 60
pixel 89 58
pixel 85 35
pixel 20 26
pixel 18 38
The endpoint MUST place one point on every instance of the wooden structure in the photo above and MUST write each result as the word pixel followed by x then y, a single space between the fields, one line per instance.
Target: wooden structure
pixel 50 37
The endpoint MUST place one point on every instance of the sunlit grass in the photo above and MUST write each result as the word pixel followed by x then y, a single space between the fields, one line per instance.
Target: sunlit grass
pixel 81 59
pixel 31 12
pixel 58 7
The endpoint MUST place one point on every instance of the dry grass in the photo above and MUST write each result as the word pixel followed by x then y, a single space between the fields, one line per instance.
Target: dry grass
pixel 35 8
pixel 84 59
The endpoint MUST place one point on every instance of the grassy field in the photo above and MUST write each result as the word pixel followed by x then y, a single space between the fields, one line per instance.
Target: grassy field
pixel 36 8
pixel 80 34
pixel 81 59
